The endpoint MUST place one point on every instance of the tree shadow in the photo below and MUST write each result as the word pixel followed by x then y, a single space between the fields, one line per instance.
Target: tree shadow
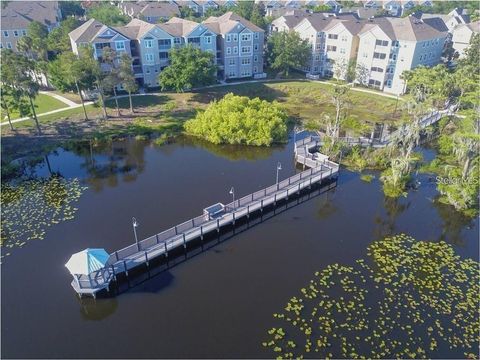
pixel 252 90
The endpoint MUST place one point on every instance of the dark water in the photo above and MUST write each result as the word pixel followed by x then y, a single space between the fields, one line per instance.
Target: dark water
pixel 217 304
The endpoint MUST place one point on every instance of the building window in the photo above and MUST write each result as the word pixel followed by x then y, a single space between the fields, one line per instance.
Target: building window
pixel 119 45
pixel 163 55
pixel 24 32
pixel 365 55
pixel 177 41
pixel 395 43
pixel 379 55
pixel 164 43
pixel 1 45
pixel 374 83
pixel 317 57
pixel 246 73
pixel 235 49
pixel 331 48
pixel 246 37
pixel 208 39
pixel 332 36
pixel 389 83
pixel 381 42
pixel 235 37
pixel 246 49
pixel 255 58
pixel 344 38
pixel 255 47
pixel 194 40
pixel 255 69
pixel 393 56
pixel 9 45
pixel 15 33
pixel 342 51
pixel 246 61
pixel 377 69
pixel 5 33
pixel 231 62
pixel 231 74
pixel 148 44
pixel 318 46
pixel 149 57
pixel 229 37
pixel 229 50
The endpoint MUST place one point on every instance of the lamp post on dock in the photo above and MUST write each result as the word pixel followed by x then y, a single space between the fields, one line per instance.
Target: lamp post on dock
pixel 232 192
pixel 135 225
pixel 279 167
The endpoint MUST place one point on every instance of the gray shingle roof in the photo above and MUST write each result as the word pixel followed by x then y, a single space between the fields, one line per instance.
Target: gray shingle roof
pixel 223 24
pixel 18 14
pixel 409 28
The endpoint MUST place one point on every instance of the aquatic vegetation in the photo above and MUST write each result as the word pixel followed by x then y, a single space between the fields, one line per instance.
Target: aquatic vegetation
pixel 367 177
pixel 32 206
pixel 409 299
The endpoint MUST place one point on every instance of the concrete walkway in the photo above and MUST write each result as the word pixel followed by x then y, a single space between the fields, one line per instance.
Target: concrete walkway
pixel 71 105
pixel 66 101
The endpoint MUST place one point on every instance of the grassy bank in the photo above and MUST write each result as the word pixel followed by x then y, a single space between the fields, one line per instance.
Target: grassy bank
pixel 157 114
pixel 43 103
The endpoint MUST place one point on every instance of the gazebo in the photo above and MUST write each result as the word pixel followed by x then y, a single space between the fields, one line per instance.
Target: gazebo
pixel 89 271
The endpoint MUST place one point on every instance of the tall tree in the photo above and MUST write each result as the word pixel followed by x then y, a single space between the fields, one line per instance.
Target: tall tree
pixel 58 39
pixel 107 14
pixel 189 67
pixel 17 74
pixel 86 53
pixel 69 73
pixel 287 50
pixel 112 79
pixel 127 77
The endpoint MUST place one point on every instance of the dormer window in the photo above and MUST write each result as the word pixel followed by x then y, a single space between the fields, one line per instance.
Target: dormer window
pixel 148 43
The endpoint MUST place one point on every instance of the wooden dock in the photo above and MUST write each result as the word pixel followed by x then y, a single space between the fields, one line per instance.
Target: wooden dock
pixel 317 168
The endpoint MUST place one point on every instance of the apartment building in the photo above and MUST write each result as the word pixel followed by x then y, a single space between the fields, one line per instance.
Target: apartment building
pixel 239 46
pixel 332 39
pixel 150 11
pixel 462 35
pixel 99 36
pixel 149 46
pixel 16 16
pixel 389 46
pixel 288 20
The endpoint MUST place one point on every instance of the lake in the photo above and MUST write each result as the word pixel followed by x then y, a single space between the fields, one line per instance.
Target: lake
pixel 218 304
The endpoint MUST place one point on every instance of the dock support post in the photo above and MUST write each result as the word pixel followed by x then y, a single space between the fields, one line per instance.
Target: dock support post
pixel 125 267
pixel 201 236
pixel 218 225
pixel 166 250
pixel 158 240
pixel 176 232
pixel 185 245
pixel 248 212
pixel 275 200
pixel 76 277
pixel 146 258
pixel 234 219
pixel 116 255
pixel 113 272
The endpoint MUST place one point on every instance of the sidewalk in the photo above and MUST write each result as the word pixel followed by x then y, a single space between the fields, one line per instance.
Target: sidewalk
pixel 71 105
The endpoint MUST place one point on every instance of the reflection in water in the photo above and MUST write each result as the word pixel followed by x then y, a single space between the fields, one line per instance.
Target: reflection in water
pixel 97 309
pixel 454 222
pixel 108 161
pixel 394 207
pixel 231 152
pixel 327 207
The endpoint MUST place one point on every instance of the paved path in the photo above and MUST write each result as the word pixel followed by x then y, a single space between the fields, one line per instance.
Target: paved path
pixel 71 105
pixel 61 98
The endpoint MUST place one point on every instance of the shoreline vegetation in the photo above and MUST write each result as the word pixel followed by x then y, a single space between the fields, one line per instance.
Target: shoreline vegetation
pixel 202 113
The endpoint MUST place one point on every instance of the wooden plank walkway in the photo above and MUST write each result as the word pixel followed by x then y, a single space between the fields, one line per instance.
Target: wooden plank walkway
pixel 317 168
pixel 426 121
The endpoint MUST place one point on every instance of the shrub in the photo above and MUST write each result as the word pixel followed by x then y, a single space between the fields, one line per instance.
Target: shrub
pixel 240 120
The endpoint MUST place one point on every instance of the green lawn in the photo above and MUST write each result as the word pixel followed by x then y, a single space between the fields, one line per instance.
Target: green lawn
pixel 43 103
pixel 303 100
